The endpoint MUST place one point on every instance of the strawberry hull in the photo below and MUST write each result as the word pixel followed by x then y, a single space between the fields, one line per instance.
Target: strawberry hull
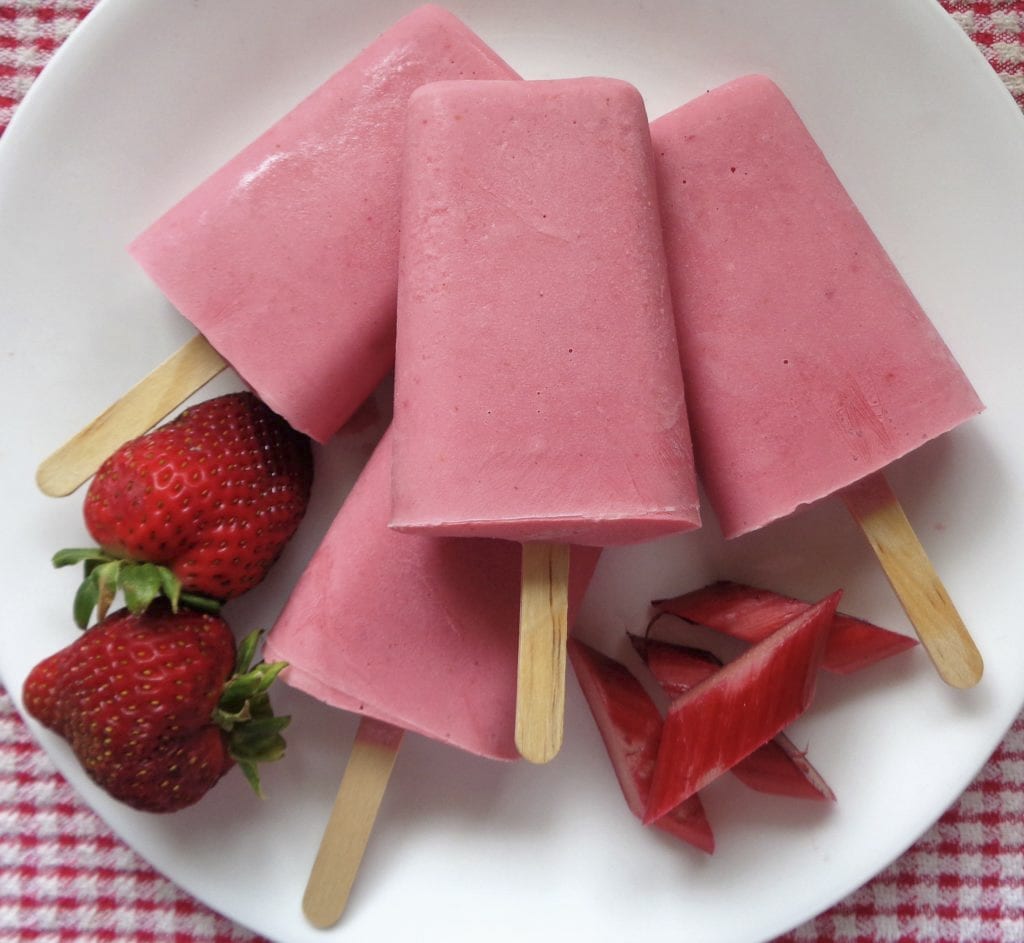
pixel 630 726
pixel 726 718
pixel 752 614
pixel 778 767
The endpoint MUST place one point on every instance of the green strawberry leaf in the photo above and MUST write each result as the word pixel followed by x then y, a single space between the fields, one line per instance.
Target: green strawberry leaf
pixel 249 682
pixel 251 772
pixel 244 711
pixel 247 651
pixel 85 601
pixel 106 575
pixel 141 584
pixel 267 674
pixel 234 701
pixel 260 739
pixel 202 603
pixel 140 581
pixel 170 585
pixel 73 555
pixel 250 686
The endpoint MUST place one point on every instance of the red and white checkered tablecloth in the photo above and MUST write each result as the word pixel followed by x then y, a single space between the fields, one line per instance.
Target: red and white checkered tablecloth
pixel 64 876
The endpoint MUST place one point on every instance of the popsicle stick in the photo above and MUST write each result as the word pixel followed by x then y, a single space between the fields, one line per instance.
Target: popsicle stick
pixel 348 829
pixel 943 634
pixel 543 634
pixel 141 408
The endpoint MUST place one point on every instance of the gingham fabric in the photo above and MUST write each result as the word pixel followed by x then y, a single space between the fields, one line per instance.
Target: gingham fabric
pixel 997 29
pixel 65 877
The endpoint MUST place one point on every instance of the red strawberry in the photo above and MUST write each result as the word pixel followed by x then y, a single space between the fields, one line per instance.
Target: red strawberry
pixel 630 726
pixel 716 724
pixel 157 707
pixel 212 497
pixel 751 614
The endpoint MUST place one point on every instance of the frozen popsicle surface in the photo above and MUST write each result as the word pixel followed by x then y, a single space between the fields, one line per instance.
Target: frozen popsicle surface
pixel 538 390
pixel 285 259
pixel 807 359
pixel 419 632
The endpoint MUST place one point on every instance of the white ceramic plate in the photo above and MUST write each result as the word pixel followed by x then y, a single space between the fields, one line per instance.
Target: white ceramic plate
pixel 148 96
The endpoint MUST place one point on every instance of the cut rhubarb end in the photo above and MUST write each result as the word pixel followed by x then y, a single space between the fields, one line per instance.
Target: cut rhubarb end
pixel 778 767
pixel 676 668
pixel 626 717
pixel 721 721
pixel 630 727
pixel 689 821
pixel 752 614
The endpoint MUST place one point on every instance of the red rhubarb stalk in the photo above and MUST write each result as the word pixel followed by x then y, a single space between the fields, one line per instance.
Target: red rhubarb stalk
pixel 752 614
pixel 726 718
pixel 630 726
pixel 779 767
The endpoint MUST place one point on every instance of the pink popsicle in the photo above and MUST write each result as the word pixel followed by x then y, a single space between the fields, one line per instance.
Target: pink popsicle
pixel 808 362
pixel 418 632
pixel 538 394
pixel 413 633
pixel 810 365
pixel 285 259
pixel 538 391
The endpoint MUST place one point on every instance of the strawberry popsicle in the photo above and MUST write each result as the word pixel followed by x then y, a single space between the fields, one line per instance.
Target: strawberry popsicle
pixel 413 633
pixel 418 632
pixel 538 394
pixel 808 362
pixel 285 259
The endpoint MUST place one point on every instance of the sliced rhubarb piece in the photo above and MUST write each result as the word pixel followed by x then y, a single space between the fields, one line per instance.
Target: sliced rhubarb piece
pixel 752 614
pixel 630 726
pixel 676 668
pixel 779 767
pixel 724 719
pixel 689 822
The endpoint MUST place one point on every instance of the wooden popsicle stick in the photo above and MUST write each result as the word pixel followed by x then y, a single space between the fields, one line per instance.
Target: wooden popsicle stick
pixel 877 510
pixel 141 408
pixel 348 829
pixel 543 635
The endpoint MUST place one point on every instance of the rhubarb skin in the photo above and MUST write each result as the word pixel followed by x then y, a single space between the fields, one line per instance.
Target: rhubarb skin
pixel 752 614
pixel 778 768
pixel 748 702
pixel 630 726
